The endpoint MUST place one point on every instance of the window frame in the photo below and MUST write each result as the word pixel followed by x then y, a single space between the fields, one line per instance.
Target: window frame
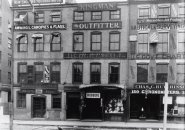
pixel 22 100
pixel 143 16
pixel 41 44
pixel 167 43
pixel 74 43
pixel 77 74
pixel 22 73
pixel 113 74
pixel 96 33
pixel 36 17
pixel 95 73
pixel 157 81
pixel 59 43
pixel 75 16
pixel 53 99
pixel 22 44
pixel 147 43
pixel 180 42
pixel 111 16
pixel 55 16
pixel 94 16
pixel 163 7
pixel 179 13
pixel 180 73
pixel 52 73
pixel 114 32
pixel 146 80
pixel 39 74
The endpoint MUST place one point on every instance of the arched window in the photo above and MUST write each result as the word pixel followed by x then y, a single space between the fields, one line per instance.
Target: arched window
pixel 22 42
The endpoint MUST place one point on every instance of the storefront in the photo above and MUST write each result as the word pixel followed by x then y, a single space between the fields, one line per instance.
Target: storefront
pixel 103 102
pixel 147 102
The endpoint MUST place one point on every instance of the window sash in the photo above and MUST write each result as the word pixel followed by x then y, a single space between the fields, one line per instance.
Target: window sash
pixel 114 73
pixel 56 101
pixel 56 17
pixel 96 15
pixel 78 73
pixel 39 17
pixel 21 100
pixel 115 41
pixel 162 46
pixel 56 42
pixel 115 14
pixel 142 73
pixel 181 42
pixel 163 12
pixel 55 76
pixel 144 12
pixel 161 73
pixel 96 42
pixel 23 44
pixel 78 42
pixel 39 45
pixel 182 11
pixel 95 73
pixel 78 16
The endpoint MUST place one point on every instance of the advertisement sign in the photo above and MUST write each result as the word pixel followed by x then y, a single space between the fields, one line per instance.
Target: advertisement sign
pixel 92 95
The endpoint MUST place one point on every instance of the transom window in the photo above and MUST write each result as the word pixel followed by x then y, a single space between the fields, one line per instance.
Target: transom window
pixel 39 17
pixel 181 42
pixel 144 12
pixel 143 43
pixel 115 14
pixel 142 73
pixel 78 41
pixel 162 46
pixel 56 42
pixel 163 12
pixel 180 73
pixel 22 42
pixel 77 73
pixel 78 16
pixel 96 15
pixel 55 16
pixel 95 73
pixel 114 41
pixel 55 72
pixel 38 42
pixel 114 72
pixel 162 73
pixel 96 39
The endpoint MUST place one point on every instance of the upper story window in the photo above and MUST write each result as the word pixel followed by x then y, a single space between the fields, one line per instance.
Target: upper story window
pixel 39 17
pixel 114 73
pixel 95 70
pixel 55 16
pixel 21 18
pixel 143 43
pixel 96 15
pixel 78 41
pixel 180 73
pixel 163 11
pixel 78 16
pixel 144 12
pixel 55 72
pixel 115 14
pixel 142 73
pixel 38 42
pixel 56 41
pixel 162 46
pixel 77 72
pixel 114 41
pixel 22 42
pixel 22 72
pixel 96 41
pixel 181 42
pixel 39 69
pixel 162 73
pixel 182 10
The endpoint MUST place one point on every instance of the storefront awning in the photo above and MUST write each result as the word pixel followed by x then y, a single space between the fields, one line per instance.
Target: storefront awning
pixel 122 86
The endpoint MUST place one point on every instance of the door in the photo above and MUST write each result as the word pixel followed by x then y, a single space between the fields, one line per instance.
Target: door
pixel 39 107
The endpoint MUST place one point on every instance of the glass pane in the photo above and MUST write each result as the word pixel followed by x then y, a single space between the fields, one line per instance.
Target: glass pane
pixel 114 46
pixel 181 37
pixel 39 68
pixel 114 37
pixel 78 46
pixel 56 47
pixel 96 38
pixel 142 73
pixel 55 67
pixel 23 68
pixel 162 68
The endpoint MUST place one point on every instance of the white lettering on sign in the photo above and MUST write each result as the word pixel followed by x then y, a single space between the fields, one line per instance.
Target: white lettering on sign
pixel 92 95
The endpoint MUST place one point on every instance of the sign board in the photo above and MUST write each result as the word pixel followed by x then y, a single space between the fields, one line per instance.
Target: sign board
pixel 169 100
pixel 92 95
pixel 36 2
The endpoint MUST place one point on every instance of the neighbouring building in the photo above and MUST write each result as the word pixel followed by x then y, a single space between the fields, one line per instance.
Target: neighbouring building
pixel 70 60
pixel 156 56
pixel 5 56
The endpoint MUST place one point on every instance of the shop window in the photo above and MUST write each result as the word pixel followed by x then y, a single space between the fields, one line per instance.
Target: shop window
pixel 144 12
pixel 56 42
pixel 55 72
pixel 95 73
pixel 78 16
pixel 182 11
pixel 181 42
pixel 114 41
pixel 39 69
pixel 180 73
pixel 162 46
pixel 38 42
pixel 162 73
pixel 96 40
pixel 115 14
pixel 21 100
pixel 56 101
pixel 163 11
pixel 22 42
pixel 114 72
pixel 55 16
pixel 142 73
pixel 78 41
pixel 39 17
pixel 143 43
pixel 22 72
pixel 96 15
pixel 78 73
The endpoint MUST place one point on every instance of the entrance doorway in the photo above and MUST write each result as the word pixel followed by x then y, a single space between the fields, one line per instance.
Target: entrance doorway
pixel 73 105
pixel 39 107
pixel 92 109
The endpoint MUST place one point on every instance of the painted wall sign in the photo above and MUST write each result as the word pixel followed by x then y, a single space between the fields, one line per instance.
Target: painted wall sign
pixel 92 95
pixel 158 20
pixel 97 25
pixel 157 56
pixel 40 27
pixel 101 55
pixel 158 86
pixel 40 86
pixel 153 1
pixel 36 2
pixel 96 6
pixel 39 91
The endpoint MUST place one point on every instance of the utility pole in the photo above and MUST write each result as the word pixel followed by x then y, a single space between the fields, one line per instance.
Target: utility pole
pixel 165 106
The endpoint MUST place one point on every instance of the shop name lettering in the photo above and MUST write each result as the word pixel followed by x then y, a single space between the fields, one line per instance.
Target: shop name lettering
pixel 158 26
pixel 94 55
pixel 102 25
pixel 97 6
pixel 155 92
pixel 24 2
pixel 157 56
pixel 159 86
pixel 154 20
pixel 41 27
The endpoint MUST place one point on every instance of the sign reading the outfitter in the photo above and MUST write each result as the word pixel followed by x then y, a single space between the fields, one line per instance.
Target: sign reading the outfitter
pixel 96 6
pixel 97 25
pixel 40 27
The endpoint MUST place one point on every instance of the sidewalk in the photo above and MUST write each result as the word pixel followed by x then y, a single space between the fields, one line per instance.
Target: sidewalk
pixel 104 124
